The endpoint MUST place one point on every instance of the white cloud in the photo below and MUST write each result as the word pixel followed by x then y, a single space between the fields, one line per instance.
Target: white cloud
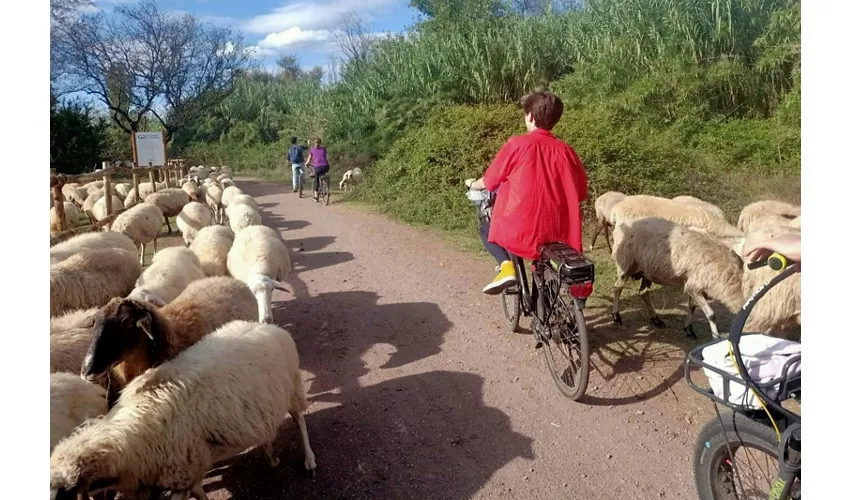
pixel 312 15
pixel 294 37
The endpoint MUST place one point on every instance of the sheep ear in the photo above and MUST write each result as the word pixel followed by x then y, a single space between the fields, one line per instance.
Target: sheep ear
pixel 145 325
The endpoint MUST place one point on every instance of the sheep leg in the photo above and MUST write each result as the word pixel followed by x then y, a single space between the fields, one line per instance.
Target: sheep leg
pixel 689 318
pixel 644 295
pixel 271 454
pixel 702 302
pixel 154 246
pixel 608 236
pixel 142 256
pixel 168 225
pixel 599 224
pixel 309 456
pixel 622 279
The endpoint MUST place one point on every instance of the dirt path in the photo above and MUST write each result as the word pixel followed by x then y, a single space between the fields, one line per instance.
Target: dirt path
pixel 418 391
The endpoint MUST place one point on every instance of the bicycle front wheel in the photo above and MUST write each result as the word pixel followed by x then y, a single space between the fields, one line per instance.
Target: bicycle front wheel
pixel 300 184
pixel 566 347
pixel 742 469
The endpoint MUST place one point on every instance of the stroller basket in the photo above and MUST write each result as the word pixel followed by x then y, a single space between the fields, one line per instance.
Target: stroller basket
pixel 783 387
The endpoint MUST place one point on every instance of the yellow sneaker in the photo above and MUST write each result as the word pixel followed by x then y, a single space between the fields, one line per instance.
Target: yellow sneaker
pixel 505 279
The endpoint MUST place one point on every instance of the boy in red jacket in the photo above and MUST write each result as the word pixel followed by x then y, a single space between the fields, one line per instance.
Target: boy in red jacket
pixel 541 182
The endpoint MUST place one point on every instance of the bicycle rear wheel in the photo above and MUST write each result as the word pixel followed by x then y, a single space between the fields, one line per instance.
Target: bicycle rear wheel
pixel 300 184
pixel 752 449
pixel 324 191
pixel 565 339
pixel 510 305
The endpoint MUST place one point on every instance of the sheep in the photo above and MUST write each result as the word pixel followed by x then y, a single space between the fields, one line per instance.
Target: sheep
pixel 241 216
pixel 759 208
pixel 212 245
pixel 662 252
pixel 659 251
pixel 350 177
pixel 93 186
pixel 90 278
pixel 194 217
pixel 231 391
pixel 107 239
pixel 200 172
pixel 122 190
pixel 91 199
pixel 246 199
pixel 145 188
pixel 141 223
pixel 226 182
pixel 74 193
pixel 130 336
pixel 228 194
pixel 212 196
pixel 72 402
pixel 603 205
pixel 70 338
pixel 98 211
pixel 770 220
pixel 692 200
pixel 170 272
pixel 693 216
pixel 171 201
pixel 192 189
pixel 71 217
pixel 259 259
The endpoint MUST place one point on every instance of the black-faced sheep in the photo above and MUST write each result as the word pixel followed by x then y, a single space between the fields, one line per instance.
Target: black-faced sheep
pixel 230 391
pixel 130 336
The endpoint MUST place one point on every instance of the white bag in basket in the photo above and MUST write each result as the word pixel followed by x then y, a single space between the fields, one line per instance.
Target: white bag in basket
pixel 763 356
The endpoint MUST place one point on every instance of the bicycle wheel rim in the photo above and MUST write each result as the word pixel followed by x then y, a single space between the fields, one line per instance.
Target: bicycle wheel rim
pixel 722 481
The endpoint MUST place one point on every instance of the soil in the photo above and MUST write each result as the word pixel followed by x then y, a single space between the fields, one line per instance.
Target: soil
pixel 418 390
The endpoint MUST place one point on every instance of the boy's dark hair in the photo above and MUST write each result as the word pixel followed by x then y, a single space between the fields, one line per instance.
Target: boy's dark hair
pixel 545 107
pixel 294 140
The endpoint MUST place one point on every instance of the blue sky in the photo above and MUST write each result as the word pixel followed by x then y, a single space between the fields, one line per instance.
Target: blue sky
pixel 296 27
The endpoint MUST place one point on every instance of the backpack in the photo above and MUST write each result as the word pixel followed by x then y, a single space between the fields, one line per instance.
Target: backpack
pixel 295 154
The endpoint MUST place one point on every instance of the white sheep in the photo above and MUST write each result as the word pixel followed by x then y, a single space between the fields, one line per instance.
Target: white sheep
pixel 170 272
pixel 692 200
pixel 74 193
pixel 72 216
pixel 658 251
pixel 194 217
pixel 350 177
pixel 130 336
pixel 142 224
pixel 259 259
pixel 122 189
pixel 199 172
pixel 603 206
pixel 755 210
pixel 72 402
pixel 93 186
pixel 693 216
pixel 90 278
pixel 171 201
pixel 145 188
pixel 232 390
pixel 225 181
pixel 228 194
pixel 70 338
pixel 212 196
pixel 192 189
pixel 246 199
pixel 241 216
pixel 212 245
pixel 106 239
pixel 91 199
pixel 98 211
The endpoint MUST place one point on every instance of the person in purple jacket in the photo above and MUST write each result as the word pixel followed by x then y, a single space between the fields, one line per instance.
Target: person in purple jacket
pixel 318 157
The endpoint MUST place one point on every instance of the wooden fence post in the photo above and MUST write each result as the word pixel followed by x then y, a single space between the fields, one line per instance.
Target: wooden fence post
pixel 151 173
pixel 107 190
pixel 59 204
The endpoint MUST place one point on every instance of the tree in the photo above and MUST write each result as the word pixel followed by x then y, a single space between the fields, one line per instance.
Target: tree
pixel 76 137
pixel 289 68
pixel 62 13
pixel 353 38
pixel 143 61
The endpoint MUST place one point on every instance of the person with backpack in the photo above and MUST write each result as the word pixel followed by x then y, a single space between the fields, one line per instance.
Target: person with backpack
pixel 296 158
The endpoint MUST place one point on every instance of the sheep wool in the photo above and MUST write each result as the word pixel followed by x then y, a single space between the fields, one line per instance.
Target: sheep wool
pixel 91 199
pixel 105 239
pixel 244 379
pixel 693 216
pixel 192 189
pixel 90 278
pixel 212 245
pixel 245 199
pixel 171 201
pixel 242 216
pixel 692 200
pixel 141 223
pixel 228 194
pixel 755 210
pixel 170 272
pixel 259 259
pixel 603 206
pixel 194 217
pixel 99 208
pixel 122 189
pixel 72 216
pixel 70 338
pixel 72 402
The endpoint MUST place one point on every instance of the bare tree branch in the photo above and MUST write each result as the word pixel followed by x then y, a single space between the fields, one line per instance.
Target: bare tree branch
pixel 353 38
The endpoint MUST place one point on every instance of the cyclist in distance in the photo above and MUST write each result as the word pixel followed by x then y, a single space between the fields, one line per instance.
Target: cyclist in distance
pixel 319 158
pixel 296 158
pixel 541 183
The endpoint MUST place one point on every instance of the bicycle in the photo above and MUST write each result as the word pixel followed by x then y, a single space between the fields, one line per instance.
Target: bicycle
pixel 768 427
pixel 558 322
pixel 324 186
pixel 300 180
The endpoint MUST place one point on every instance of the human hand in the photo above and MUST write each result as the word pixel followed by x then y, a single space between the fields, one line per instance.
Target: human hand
pixel 786 244
pixel 468 182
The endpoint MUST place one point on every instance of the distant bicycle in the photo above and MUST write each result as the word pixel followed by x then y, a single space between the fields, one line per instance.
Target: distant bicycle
pixel 324 186
pixel 755 425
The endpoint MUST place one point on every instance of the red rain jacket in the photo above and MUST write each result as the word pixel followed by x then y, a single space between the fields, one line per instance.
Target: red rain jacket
pixel 541 182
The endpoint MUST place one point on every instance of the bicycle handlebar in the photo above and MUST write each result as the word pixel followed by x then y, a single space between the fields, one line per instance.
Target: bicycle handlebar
pixel 776 261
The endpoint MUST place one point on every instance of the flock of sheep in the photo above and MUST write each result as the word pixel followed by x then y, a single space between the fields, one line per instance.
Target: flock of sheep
pixel 687 243
pixel 158 373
